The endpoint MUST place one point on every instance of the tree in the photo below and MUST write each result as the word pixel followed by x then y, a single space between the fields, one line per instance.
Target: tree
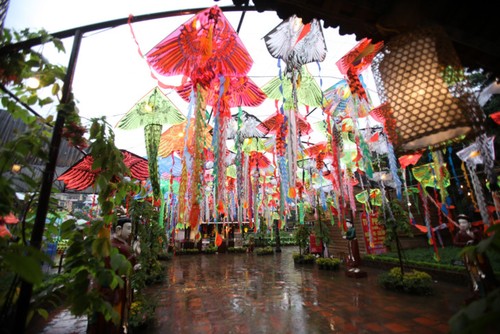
pixel 396 222
pixel 301 237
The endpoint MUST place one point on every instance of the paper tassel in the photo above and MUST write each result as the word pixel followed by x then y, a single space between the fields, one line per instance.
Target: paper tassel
pixel 283 175
pixel 394 169
pixel 454 173
pixel 438 166
pixel 427 218
pixel 478 189
pixel 152 133
pixel 469 186
pixel 198 162
pixel 488 155
pixel 300 207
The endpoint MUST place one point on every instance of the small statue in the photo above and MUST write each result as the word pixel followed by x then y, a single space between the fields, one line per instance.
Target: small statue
pixel 121 297
pixel 353 258
pixel 120 240
pixel 482 278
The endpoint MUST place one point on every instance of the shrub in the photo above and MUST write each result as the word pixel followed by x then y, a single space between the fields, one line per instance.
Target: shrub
pixel 413 282
pixel 187 251
pixel 211 250
pixel 237 249
pixel 264 250
pixel 164 256
pixel 304 258
pixel 328 263
pixel 142 312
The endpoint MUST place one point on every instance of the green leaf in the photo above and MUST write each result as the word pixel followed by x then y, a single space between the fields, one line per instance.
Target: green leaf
pixel 45 101
pixel 58 44
pixel 105 278
pixel 43 312
pixel 26 267
pixel 101 247
pixel 120 264
pixel 55 88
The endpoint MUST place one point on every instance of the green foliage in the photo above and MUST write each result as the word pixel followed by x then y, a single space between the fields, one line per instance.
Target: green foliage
pixel 264 250
pixel 322 231
pixel 152 242
pixel 211 250
pixel 301 237
pixel 412 282
pixel 450 258
pixel 25 261
pixel 303 258
pixel 237 250
pixel 18 65
pixel 481 316
pixel 142 311
pixel 328 263
pixel 87 280
pixel 396 221
pixel 188 251
pixel 92 268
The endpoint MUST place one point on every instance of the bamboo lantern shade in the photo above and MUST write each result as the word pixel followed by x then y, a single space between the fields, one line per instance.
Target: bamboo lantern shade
pixel 428 102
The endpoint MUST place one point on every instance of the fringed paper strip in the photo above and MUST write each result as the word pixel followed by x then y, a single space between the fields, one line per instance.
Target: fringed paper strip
pixel 469 186
pixel 488 155
pixel 427 219
pixel 453 172
pixel 198 162
pixel 394 169
pixel 439 166
pixel 478 189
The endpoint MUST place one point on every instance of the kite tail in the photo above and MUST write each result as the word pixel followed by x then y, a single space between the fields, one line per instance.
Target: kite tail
pixel 152 133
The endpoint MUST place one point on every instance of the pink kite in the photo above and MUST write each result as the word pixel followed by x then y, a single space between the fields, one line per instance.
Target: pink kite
pixel 202 48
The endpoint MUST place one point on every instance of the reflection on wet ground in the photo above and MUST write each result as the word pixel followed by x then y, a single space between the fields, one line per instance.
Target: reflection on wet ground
pixel 247 293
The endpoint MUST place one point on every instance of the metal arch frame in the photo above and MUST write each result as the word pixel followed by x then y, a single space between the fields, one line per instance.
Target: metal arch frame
pixel 119 22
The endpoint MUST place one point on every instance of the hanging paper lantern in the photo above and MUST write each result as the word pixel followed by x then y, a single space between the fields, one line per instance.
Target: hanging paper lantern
pixel 420 79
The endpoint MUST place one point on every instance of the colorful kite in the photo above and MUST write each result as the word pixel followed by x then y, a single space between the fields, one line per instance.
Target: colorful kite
pixel 175 138
pixel 81 175
pixel 204 47
pixel 151 112
pixel 296 43
pixel 356 61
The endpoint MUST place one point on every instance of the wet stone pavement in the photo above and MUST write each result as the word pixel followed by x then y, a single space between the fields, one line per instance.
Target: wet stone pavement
pixel 247 293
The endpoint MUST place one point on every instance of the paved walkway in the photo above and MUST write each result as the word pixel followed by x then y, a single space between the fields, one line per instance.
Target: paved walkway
pixel 246 293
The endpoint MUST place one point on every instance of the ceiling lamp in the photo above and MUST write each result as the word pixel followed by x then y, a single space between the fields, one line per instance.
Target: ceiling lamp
pixel 428 101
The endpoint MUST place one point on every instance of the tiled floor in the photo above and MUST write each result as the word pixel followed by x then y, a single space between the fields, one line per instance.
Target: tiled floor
pixel 246 293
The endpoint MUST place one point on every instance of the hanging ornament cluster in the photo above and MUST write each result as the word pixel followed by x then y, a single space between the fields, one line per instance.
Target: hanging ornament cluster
pixel 274 168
